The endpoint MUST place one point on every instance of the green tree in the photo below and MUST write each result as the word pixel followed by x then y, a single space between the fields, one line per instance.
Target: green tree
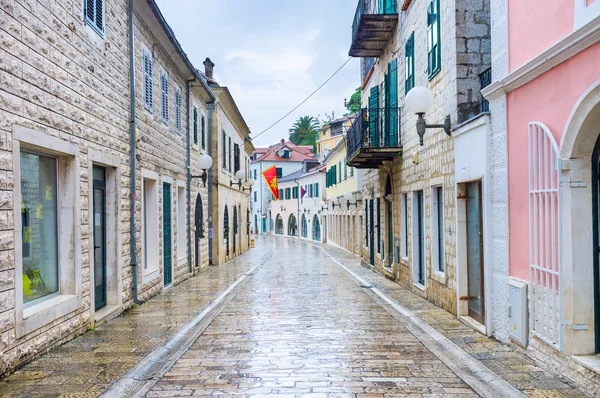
pixel 305 131
pixel 353 105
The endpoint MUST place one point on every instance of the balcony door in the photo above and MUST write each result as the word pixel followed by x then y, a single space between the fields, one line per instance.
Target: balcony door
pixel 387 7
pixel 391 100
pixel 99 237
pixel 374 117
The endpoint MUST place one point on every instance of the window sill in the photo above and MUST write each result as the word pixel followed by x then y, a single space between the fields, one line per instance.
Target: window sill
pixel 439 276
pixel 433 74
pixel 419 286
pixel 150 275
pixel 41 314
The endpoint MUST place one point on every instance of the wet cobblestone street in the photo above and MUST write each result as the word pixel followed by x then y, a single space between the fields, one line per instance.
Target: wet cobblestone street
pixel 299 324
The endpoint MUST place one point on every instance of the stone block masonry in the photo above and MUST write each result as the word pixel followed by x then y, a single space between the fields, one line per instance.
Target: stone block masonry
pixel 64 80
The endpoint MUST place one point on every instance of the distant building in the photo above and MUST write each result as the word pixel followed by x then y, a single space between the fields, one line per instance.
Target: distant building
pixel 331 134
pixel 288 158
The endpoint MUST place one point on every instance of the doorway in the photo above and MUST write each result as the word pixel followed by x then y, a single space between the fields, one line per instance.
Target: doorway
pixel 389 221
pixel 199 223
pixel 371 233
pixel 167 246
pixel 235 230
pixel 596 223
pixel 99 206
pixel 474 224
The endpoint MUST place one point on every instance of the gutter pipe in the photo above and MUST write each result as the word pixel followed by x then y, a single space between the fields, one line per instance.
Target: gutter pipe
pixel 211 107
pixel 132 163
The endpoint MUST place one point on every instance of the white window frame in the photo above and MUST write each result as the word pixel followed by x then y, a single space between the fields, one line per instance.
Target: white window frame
pixel 150 256
pixel 404 231
pixel 164 96
pixel 91 24
pixel 436 203
pixel 147 80
pixel 181 223
pixel 178 111
pixel 32 316
pixel 415 241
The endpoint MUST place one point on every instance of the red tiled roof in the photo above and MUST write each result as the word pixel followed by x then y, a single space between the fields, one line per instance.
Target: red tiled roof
pixel 298 153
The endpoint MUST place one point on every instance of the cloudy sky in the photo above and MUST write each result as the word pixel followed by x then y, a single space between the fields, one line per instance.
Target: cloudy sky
pixel 271 54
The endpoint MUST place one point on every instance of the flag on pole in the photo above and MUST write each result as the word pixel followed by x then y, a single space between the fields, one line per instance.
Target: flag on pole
pixel 270 176
pixel 303 192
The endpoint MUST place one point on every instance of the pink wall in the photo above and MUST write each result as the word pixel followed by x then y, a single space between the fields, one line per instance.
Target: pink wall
pixel 535 25
pixel 548 99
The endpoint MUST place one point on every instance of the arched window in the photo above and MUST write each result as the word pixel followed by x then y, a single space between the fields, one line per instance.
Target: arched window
pixel 304 227
pixel 226 230
pixel 279 225
pixel 316 229
pixel 292 226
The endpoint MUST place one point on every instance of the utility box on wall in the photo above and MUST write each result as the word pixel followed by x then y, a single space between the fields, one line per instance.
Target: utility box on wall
pixel 517 312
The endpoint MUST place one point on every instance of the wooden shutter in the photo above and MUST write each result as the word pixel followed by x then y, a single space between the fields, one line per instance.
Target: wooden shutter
pixel 94 14
pixel 178 109
pixel 392 105
pixel 236 157
pixel 317 189
pixel 99 14
pixel 148 95
pixel 195 125
pixel 204 136
pixel 374 117
pixel 164 93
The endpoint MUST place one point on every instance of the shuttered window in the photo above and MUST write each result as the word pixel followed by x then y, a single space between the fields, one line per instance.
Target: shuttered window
pixel 310 191
pixel 178 109
pixel 229 153
pixel 295 193
pixel 279 172
pixel 147 72
pixel 203 127
pixel 236 157
pixel 164 97
pixel 94 14
pixel 317 189
pixel 195 122
pixel 433 38
pixel 224 149
pixel 409 63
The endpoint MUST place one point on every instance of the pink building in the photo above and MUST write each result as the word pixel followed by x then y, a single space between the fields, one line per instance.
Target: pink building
pixel 545 106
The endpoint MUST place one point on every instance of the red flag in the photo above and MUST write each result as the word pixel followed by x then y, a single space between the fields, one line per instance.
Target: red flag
pixel 302 193
pixel 270 176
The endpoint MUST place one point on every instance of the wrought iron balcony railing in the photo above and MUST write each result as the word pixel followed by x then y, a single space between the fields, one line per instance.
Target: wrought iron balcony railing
pixel 485 79
pixel 374 137
pixel 374 22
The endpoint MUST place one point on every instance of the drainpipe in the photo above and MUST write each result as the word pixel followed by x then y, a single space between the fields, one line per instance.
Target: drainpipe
pixel 211 105
pixel 298 224
pixel 189 177
pixel 132 163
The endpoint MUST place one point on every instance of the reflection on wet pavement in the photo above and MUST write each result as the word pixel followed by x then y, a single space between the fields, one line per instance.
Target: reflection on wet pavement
pixel 301 326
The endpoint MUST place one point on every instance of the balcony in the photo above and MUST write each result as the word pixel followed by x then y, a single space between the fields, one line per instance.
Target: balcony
pixel 373 26
pixel 374 137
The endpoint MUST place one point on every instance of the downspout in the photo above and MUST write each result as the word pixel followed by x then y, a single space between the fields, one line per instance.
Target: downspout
pixel 132 162
pixel 298 211
pixel 210 184
pixel 189 177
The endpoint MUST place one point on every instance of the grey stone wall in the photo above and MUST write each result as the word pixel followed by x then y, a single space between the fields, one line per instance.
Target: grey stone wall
pixel 59 77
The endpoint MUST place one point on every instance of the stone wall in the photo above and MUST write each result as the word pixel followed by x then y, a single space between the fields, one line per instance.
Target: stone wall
pixel 64 80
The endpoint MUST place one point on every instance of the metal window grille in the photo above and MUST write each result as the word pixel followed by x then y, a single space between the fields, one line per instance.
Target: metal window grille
pixel 544 235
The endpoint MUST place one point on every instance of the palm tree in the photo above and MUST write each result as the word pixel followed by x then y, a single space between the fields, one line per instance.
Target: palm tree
pixel 305 131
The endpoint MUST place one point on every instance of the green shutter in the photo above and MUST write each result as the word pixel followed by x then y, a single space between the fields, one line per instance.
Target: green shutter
pixel 409 61
pixel 317 189
pixel 433 38
pixel 167 252
pixel 391 99
pixel 204 134
pixel 195 126
pixel 279 172
pixel 374 117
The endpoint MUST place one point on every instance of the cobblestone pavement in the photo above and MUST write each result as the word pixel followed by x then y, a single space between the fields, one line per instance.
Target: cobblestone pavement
pixel 86 365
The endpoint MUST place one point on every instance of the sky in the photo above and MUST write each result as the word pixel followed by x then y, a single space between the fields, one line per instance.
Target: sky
pixel 271 55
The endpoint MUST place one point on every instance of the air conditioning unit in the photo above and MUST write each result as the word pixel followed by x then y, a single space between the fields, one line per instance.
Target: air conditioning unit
pixel 518 312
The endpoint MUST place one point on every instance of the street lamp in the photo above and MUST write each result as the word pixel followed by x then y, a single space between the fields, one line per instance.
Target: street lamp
pixel 348 196
pixel 333 204
pixel 419 101
pixel 250 183
pixel 204 163
pixel 240 175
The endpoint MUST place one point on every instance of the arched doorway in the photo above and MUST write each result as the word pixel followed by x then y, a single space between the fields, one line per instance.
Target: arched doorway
pixel 292 226
pixel 279 225
pixel 304 227
pixel 199 232
pixel 235 230
pixel 226 230
pixel 389 221
pixel 316 229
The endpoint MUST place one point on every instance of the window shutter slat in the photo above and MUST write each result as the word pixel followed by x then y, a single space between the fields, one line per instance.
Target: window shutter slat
pixel 89 9
pixel 99 14
pixel 195 125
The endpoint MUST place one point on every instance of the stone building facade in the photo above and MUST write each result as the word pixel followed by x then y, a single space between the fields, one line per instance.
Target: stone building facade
pixel 409 197
pixel 65 178
pixel 231 150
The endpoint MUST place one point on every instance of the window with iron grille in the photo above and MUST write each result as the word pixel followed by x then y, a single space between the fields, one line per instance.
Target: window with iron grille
pixel 195 122
pixel 433 38
pixel 236 157
pixel 178 109
pixel 164 95
pixel 147 75
pixel 203 132
pixel 409 63
pixel 94 15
